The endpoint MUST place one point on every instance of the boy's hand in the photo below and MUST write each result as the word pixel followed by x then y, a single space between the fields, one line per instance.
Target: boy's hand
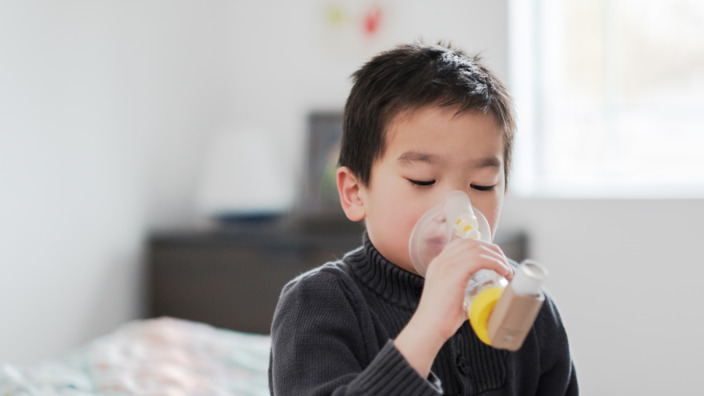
pixel 440 313
pixel 447 277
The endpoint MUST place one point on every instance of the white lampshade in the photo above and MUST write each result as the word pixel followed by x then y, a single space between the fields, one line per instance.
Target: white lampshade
pixel 243 176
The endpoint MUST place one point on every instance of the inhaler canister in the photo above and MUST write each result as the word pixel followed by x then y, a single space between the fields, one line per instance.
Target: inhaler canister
pixel 519 305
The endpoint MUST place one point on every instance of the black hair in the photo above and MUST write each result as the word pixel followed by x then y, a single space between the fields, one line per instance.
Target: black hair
pixel 409 77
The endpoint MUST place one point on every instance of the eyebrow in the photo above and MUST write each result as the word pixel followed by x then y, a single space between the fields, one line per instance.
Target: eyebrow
pixel 410 157
pixel 488 162
pixel 417 156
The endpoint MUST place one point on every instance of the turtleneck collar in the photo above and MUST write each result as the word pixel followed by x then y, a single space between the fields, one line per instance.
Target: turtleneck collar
pixel 389 281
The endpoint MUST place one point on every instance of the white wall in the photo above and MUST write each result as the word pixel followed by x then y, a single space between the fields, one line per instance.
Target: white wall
pixel 104 108
pixel 626 276
pixel 105 112
pixel 287 60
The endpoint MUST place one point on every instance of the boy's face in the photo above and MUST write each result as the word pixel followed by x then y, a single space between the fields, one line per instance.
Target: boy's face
pixel 430 152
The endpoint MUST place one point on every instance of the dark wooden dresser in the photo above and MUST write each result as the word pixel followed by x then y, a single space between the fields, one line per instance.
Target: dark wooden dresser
pixel 231 276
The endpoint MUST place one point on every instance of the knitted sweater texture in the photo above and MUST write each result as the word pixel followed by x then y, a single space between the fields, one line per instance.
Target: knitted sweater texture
pixel 333 334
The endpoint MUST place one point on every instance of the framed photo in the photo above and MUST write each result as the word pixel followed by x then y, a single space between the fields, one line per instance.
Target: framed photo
pixel 320 198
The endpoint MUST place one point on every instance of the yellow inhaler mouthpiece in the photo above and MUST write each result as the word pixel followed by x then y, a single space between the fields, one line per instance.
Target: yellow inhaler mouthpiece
pixel 503 317
pixel 480 311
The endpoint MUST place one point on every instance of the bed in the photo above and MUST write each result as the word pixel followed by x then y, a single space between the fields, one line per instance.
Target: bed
pixel 163 356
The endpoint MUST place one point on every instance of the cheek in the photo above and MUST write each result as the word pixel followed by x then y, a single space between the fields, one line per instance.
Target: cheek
pixel 413 212
pixel 493 219
pixel 400 223
pixel 398 228
pixel 492 211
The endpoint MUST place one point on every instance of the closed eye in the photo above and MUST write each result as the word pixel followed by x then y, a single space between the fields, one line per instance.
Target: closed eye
pixel 422 183
pixel 482 188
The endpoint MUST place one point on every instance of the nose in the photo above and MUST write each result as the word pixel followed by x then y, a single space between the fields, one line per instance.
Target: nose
pixel 459 183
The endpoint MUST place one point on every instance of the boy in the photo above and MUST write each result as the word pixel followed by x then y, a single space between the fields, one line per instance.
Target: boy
pixel 420 122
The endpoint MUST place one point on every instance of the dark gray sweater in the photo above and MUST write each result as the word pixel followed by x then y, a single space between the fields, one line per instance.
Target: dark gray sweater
pixel 333 329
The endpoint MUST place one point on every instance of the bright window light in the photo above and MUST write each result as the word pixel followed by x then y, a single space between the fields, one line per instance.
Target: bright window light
pixel 610 98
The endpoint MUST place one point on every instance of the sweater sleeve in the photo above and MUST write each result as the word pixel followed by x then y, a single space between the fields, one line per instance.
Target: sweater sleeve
pixel 319 346
pixel 557 376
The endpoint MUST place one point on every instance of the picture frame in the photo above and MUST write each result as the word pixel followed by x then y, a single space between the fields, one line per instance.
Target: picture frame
pixel 320 198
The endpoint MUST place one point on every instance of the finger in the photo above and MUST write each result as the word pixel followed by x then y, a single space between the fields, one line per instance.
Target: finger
pixel 485 247
pixel 494 251
pixel 498 254
pixel 494 248
pixel 494 257
pixel 498 265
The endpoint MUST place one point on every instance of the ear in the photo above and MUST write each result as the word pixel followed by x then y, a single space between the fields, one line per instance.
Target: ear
pixel 350 189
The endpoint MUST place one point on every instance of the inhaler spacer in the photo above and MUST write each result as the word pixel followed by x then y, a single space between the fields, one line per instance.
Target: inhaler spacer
pixel 500 313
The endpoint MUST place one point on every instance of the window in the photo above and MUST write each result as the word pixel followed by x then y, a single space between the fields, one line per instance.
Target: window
pixel 610 97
